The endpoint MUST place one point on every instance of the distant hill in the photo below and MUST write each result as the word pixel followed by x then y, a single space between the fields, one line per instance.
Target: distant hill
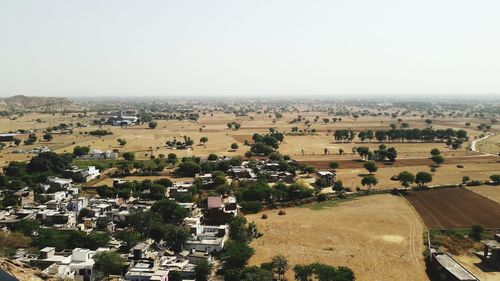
pixel 38 104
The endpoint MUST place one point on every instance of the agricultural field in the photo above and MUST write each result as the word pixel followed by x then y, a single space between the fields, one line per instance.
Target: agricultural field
pixel 456 208
pixel 488 191
pixel 369 235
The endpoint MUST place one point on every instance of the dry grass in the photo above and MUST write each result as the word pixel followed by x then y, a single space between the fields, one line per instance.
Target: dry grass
pixel 488 191
pixel 370 235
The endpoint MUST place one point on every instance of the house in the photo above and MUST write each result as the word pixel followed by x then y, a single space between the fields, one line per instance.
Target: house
pixel 491 251
pixel 59 183
pixel 206 179
pixel 206 238
pixel 328 176
pixel 123 120
pixel 25 197
pixel 220 210
pixel 86 175
pixel 99 154
pixel 76 205
pixel 77 264
pixel 242 173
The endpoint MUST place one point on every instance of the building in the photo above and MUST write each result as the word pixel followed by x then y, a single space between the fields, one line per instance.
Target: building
pixel 491 251
pixel 446 268
pixel 328 176
pixel 206 238
pixel 77 264
pixel 86 175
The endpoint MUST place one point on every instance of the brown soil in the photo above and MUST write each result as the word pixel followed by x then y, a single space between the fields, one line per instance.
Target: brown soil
pixel 455 208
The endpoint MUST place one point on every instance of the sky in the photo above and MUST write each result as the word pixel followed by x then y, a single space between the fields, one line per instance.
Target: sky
pixel 249 48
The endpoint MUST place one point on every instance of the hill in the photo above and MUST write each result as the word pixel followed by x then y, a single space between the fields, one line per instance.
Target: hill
pixel 38 104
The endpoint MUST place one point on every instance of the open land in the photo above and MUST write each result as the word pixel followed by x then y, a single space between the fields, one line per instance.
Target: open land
pixel 369 235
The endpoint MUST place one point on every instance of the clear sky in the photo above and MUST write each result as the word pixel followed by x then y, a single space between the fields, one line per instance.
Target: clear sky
pixel 253 47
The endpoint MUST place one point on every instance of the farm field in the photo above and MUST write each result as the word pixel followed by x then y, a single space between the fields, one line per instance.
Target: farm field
pixel 446 174
pixel 490 145
pixel 488 191
pixel 454 208
pixel 471 262
pixel 369 235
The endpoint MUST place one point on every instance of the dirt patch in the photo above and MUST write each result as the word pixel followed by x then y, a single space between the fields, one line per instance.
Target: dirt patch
pixel 488 191
pixel 454 208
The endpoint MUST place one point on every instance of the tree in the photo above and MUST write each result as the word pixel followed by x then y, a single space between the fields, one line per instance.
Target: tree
pixel 203 140
pixel 303 272
pixel 435 151
pixel 170 210
pixel 334 165
pixel 121 142
pixel 175 237
pixel 152 124
pixel 48 137
pixel 202 270
pixel 309 169
pixel 370 166
pixel 476 231
pixel 237 254
pixel 256 274
pixel 107 263
pixel 172 157
pixel 188 169
pixel 174 275
pixel 234 146
pixel 422 178
pixel 465 179
pixel 438 159
pixel 280 266
pixel 129 156
pixel 80 150
pixel 495 178
pixel 369 181
pixel 406 178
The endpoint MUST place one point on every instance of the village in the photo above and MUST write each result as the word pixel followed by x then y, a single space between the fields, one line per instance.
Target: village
pixel 98 199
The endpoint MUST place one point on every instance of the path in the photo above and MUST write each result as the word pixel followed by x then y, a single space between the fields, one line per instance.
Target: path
pixel 474 142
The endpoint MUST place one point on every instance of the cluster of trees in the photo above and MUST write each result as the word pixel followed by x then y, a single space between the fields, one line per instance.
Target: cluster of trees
pixel 186 142
pixel 190 166
pixel 267 143
pixel 147 189
pixel 160 223
pixel 401 135
pixel 70 239
pixel 252 195
pixel 100 133
pixel 233 125
pixel 381 154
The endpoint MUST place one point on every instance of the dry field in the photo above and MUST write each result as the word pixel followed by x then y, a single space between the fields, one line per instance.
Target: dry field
pixel 446 174
pixel 145 141
pixel 490 145
pixel 488 191
pixel 370 235
pixel 455 208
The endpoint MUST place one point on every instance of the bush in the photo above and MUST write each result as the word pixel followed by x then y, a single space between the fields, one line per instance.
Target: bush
pixel 251 207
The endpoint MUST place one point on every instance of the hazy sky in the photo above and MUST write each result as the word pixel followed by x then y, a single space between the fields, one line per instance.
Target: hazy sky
pixel 254 47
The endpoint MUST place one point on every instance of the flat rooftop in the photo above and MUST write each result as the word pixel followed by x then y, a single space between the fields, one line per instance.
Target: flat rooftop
pixel 454 268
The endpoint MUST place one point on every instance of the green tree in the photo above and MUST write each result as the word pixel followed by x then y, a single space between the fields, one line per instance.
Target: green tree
pixel 476 232
pixel 495 178
pixel 369 181
pixel 152 124
pixel 48 137
pixel 303 272
pixel 237 254
pixel 256 274
pixel 203 140
pixel 438 159
pixel 406 178
pixel 334 165
pixel 107 263
pixel 202 270
pixel 188 169
pixel 280 267
pixel 435 151
pixel 129 156
pixel 423 178
pixel 370 166
pixel 234 146
pixel 170 210
pixel 80 150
